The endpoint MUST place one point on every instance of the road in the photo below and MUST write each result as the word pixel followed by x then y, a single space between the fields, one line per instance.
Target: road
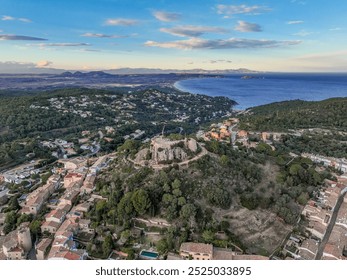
pixel 331 225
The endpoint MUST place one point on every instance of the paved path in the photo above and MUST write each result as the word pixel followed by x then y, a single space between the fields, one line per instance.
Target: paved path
pixel 331 225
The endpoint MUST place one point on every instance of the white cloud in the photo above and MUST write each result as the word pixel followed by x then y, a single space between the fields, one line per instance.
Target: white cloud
pixel 89 50
pixel 192 30
pixel 44 63
pixel 298 2
pixel 99 35
pixel 335 29
pixel 295 22
pixel 25 20
pixel 244 26
pixel 303 33
pixel 7 37
pixel 218 61
pixel 165 16
pixel 9 18
pixel 121 21
pixel 241 9
pixel 232 43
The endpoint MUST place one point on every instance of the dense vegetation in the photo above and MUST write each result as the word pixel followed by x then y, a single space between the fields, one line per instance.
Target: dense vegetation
pixel 297 114
pixel 191 198
pixel 310 127
pixel 27 119
pixel 326 145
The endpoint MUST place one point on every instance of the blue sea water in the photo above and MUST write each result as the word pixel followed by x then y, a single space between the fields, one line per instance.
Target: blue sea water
pixel 269 88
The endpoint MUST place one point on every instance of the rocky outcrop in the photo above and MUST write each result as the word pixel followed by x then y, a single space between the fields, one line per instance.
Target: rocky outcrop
pixel 192 145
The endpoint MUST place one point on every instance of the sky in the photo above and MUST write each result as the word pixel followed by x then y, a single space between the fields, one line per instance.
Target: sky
pixel 268 35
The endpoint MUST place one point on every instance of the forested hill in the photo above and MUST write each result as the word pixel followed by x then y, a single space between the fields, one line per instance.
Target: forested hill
pixel 297 114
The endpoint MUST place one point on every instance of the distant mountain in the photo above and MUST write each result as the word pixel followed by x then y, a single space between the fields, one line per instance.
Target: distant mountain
pixel 85 75
pixel 130 71
pixel 31 68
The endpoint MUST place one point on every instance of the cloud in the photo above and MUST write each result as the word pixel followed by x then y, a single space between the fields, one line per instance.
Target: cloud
pixel 303 33
pixel 44 63
pixel 335 29
pixel 298 2
pixel 89 50
pixel 61 45
pixel 8 18
pixel 20 38
pixel 295 22
pixel 218 61
pixel 241 9
pixel 232 43
pixel 247 27
pixel 99 35
pixel 121 21
pixel 165 16
pixel 192 31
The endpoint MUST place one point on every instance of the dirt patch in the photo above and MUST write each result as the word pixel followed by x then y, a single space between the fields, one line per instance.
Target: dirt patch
pixel 259 230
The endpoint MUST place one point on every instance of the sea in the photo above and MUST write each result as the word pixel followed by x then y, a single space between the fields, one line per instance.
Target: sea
pixel 250 90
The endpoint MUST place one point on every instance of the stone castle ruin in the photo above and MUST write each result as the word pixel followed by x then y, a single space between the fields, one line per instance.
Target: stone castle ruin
pixel 165 151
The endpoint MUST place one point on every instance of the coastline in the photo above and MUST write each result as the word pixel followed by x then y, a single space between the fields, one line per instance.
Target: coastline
pixel 248 93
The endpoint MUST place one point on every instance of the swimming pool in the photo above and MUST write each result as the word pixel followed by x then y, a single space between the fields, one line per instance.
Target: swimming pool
pixel 149 255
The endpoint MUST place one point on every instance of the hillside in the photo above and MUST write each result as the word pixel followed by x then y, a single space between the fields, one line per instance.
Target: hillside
pixel 298 114
pixel 255 199
pixel 65 113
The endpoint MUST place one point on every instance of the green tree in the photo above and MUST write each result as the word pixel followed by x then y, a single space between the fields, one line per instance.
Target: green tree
pixel 107 245
pixel 176 184
pixel 303 198
pixel 188 211
pixel 24 218
pixel 208 236
pixel 125 208
pixel 13 203
pixel 141 201
pixel 35 227
pixel 162 246
pixel 224 160
pixel 10 221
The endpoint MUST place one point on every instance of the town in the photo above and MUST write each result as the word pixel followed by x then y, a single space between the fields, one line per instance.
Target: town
pixel 44 207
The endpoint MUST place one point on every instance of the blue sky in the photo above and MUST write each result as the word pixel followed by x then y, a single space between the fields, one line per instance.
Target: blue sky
pixel 269 35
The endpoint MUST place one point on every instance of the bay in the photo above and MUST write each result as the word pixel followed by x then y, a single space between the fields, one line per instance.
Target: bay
pixel 260 89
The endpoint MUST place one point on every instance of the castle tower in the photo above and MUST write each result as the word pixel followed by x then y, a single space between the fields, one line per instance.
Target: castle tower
pixel 24 237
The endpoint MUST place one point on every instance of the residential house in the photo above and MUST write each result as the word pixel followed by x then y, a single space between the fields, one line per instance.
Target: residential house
pixel 50 226
pixel 57 215
pixel 17 243
pixel 196 251
pixel 73 179
pixel 69 197
pixel 88 184
pixel 42 248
